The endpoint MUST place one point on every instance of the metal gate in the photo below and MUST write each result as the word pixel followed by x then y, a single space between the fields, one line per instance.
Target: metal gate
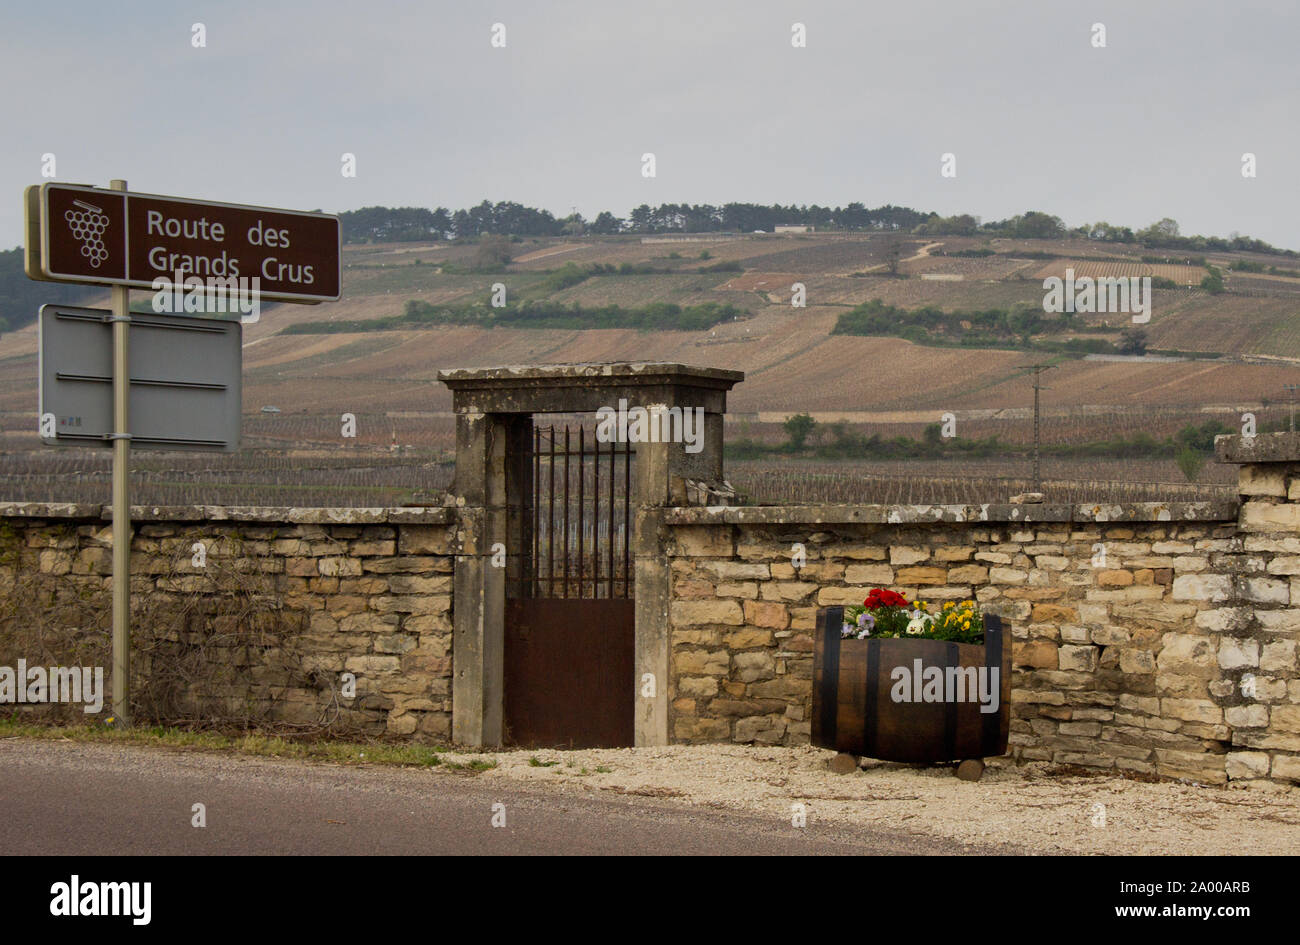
pixel 569 629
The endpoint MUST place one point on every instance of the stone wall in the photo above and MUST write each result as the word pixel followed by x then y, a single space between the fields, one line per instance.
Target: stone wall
pixel 1155 639
pixel 282 603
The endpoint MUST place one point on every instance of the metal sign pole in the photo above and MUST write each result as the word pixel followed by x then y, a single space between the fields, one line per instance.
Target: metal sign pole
pixel 121 319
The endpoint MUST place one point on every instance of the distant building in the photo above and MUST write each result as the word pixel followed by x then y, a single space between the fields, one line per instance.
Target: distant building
pixel 794 228
pixel 270 409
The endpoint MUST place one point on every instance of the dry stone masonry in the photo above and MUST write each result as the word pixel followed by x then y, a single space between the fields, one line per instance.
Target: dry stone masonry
pixel 312 593
pixel 1156 639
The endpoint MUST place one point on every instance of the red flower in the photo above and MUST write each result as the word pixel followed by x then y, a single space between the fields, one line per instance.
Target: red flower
pixel 883 598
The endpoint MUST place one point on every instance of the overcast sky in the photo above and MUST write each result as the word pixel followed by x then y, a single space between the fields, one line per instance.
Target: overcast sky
pixel 1153 125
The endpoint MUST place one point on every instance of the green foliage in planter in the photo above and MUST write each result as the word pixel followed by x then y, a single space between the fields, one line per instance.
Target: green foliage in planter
pixel 882 615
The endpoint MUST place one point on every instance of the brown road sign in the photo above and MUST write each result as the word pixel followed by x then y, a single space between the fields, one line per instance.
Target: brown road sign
pixel 107 237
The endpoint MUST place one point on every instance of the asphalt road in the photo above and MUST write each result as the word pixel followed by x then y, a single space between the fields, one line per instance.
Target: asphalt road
pixel 77 799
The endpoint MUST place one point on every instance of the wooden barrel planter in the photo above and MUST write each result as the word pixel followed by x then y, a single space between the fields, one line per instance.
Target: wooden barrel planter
pixel 854 681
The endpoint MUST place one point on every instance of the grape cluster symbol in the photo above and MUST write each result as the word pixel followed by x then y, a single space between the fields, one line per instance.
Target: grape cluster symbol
pixel 88 225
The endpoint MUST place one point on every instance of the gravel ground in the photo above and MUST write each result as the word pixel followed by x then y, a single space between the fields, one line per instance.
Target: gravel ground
pixel 1028 807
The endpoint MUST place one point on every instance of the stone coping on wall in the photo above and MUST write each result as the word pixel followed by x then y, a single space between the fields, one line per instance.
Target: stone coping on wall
pixel 1261 448
pixel 1219 510
pixel 503 375
pixel 395 515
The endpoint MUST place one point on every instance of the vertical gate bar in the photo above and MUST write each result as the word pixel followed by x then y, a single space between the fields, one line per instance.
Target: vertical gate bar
pixel 613 447
pixel 565 568
pixel 582 475
pixel 627 520
pixel 534 588
pixel 550 520
pixel 595 518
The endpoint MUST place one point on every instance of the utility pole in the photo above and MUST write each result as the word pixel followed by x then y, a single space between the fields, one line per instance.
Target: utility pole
pixel 1291 389
pixel 1038 369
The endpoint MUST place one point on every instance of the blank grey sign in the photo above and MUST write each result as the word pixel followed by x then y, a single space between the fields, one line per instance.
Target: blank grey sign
pixel 185 380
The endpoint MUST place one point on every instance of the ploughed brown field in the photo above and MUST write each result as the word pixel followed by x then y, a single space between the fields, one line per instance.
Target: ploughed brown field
pixel 792 363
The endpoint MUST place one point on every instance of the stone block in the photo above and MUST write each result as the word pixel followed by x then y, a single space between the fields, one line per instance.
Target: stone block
pixel 1078 658
pixel 1110 635
pixel 1285 564
pixel 1114 578
pixel 692 729
pixel 1236 653
pixel 417 584
pixel 1147 705
pixel 701 662
pixel 703 540
pixel 372 665
pixel 1210 587
pixel 1246 716
pixel 1278 656
pixel 1182 687
pixel 765 730
pixel 787 590
pixel 1001 575
pixel 766 614
pixel 921 576
pixel 1286 768
pixel 1285 718
pixel 954 553
pixel 1040 654
pixel 1191 710
pixel 969 574
pixel 1245 765
pixel 424 540
pixel 1074 633
pixel 692 590
pixel 1188 654
pixel 1267 517
pixel 753 665
pixel 874 574
pixel 338 567
pixel 1266 590
pixel 1224 619
pixel 1054 614
pixel 1258 480
pixel 1191 765
pixel 747 638
pixel 685 613
pixel 697 636
pixel 738 571
pixel 908 554
pixel 1052 562
pixel 698 686
pixel 1141 662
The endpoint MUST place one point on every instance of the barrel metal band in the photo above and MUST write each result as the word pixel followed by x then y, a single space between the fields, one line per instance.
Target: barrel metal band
pixel 871 710
pixel 833 620
pixel 992 735
pixel 952 658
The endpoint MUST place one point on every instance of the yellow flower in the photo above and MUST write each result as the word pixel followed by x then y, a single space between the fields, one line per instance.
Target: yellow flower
pixel 948 606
